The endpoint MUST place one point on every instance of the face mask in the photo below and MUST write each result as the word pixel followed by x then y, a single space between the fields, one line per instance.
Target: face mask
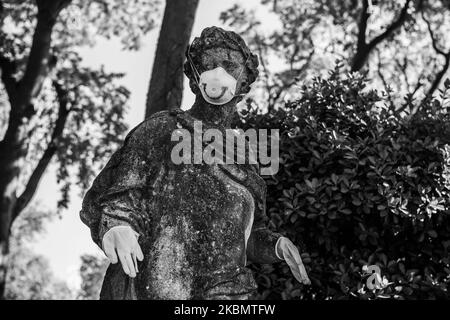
pixel 217 86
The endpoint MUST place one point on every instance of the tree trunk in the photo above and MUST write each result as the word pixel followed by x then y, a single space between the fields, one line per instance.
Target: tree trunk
pixel 3 266
pixel 360 58
pixel 13 147
pixel 166 84
pixel 12 150
pixel 9 171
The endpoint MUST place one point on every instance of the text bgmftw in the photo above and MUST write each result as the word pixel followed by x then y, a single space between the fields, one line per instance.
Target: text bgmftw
pixel 242 147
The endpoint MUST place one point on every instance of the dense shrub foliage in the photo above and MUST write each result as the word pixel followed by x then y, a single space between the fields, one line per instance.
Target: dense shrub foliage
pixel 359 185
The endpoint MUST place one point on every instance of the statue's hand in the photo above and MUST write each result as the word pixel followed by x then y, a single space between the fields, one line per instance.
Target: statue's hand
pixel 120 243
pixel 286 249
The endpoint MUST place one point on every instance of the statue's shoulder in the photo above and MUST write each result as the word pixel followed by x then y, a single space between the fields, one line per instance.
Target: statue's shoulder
pixel 160 125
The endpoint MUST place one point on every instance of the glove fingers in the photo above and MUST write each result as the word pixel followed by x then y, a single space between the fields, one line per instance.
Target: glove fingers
pixel 130 264
pixel 299 272
pixel 293 251
pixel 299 262
pixel 123 262
pixel 304 274
pixel 133 255
pixel 294 268
pixel 139 254
pixel 297 275
pixel 295 263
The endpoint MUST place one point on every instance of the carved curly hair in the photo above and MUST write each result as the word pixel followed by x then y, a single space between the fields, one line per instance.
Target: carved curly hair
pixel 213 37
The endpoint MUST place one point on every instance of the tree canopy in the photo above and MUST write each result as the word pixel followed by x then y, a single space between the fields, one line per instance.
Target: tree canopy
pixel 400 44
pixel 53 107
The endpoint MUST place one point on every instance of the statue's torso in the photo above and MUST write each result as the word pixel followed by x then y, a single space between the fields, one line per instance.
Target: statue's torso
pixel 201 220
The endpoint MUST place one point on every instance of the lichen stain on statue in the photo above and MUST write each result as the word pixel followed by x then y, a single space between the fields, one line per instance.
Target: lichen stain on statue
pixel 198 224
pixel 172 279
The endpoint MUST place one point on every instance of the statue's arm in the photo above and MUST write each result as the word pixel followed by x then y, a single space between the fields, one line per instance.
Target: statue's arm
pixel 111 200
pixel 261 245
pixel 122 205
pixel 116 195
pixel 266 246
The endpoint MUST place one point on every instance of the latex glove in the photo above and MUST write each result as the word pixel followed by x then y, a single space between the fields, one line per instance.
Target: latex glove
pixel 288 252
pixel 120 243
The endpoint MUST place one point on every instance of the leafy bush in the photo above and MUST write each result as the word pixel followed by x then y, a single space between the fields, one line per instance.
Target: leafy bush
pixel 359 184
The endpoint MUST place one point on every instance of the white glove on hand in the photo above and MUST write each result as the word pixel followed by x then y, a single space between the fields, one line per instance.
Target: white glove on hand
pixel 288 252
pixel 121 241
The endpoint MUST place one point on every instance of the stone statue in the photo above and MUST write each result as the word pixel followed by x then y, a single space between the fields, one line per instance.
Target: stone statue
pixel 186 231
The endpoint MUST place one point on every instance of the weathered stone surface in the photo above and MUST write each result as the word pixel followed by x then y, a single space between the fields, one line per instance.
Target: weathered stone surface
pixel 198 224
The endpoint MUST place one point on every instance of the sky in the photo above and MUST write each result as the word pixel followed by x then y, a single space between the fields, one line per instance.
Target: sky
pixel 67 238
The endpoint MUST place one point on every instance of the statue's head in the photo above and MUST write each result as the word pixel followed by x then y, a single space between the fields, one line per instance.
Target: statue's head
pixel 218 63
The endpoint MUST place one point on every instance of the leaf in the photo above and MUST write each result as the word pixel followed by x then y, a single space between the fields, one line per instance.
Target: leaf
pixel 432 233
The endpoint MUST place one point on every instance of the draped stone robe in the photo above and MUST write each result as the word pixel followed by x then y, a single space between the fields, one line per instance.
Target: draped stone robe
pixel 198 225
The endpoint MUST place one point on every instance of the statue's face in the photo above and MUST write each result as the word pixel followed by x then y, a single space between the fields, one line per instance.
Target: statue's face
pixel 232 61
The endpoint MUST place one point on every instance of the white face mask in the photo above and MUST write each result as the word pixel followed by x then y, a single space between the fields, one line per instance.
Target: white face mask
pixel 217 86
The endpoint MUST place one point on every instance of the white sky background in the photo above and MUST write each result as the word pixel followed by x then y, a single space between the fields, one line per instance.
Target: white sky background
pixel 68 238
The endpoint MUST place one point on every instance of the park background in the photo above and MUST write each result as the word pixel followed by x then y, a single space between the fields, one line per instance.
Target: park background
pixel 310 55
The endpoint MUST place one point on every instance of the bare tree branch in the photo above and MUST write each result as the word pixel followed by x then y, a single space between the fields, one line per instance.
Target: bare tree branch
pixel 8 68
pixel 35 71
pixel 419 84
pixel 362 26
pixel 363 49
pixel 385 84
pixel 403 67
pixel 446 55
pixel 47 156
pixel 392 27
pixel 22 92
pixel 265 73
